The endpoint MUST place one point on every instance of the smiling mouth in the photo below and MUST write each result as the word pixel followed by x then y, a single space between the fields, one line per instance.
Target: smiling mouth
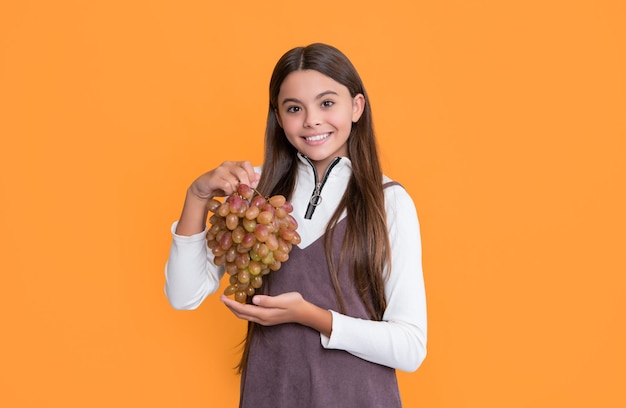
pixel 317 137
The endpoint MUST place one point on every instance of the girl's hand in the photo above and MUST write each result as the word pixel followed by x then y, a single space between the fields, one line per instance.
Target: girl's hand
pixel 269 310
pixel 224 179
pixel 284 308
pixel 220 181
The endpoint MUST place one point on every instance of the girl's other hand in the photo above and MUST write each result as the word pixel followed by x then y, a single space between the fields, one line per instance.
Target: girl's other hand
pixel 268 310
pixel 284 308
pixel 224 179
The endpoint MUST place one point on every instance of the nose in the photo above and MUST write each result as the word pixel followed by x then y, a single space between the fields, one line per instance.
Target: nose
pixel 312 119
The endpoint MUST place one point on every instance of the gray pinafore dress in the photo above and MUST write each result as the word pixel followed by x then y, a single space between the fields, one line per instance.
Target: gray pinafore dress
pixel 287 365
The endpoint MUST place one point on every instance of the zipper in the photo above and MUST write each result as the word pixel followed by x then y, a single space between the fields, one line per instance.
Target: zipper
pixel 316 196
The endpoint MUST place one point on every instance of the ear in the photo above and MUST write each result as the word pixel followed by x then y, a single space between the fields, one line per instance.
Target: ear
pixel 280 122
pixel 358 105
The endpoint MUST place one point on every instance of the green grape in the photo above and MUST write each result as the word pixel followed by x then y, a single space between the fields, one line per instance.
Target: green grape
pixel 271 242
pixel 214 219
pixel 242 249
pixel 280 213
pixel 296 238
pixel 211 242
pixel 224 209
pixel 242 260
pixel 268 207
pixel 283 245
pixel 252 212
pixel 287 234
pixel 231 269
pixel 249 225
pixel 254 256
pixel 218 251
pixel 269 259
pixel 277 201
pixel 273 226
pixel 265 217
pixel 231 254
pixel 262 250
pixel 281 256
pixel 232 221
pixel 219 260
pixel 241 296
pixel 256 281
pixel 255 267
pixel 244 276
pixel 215 228
pixel 261 232
pixel 213 205
pixel 238 234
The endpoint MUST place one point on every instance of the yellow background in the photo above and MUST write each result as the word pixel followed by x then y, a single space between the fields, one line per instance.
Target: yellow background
pixel 505 120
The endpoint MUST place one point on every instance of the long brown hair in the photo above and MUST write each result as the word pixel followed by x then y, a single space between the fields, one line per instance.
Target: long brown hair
pixel 363 200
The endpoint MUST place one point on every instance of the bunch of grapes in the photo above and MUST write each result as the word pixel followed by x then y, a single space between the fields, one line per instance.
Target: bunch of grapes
pixel 251 235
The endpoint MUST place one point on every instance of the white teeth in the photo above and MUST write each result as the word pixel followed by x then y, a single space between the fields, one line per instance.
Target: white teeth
pixel 317 137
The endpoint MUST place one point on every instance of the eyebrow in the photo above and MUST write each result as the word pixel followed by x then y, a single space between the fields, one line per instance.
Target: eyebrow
pixel 323 94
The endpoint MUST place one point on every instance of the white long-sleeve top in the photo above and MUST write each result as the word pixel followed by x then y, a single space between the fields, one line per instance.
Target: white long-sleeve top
pixel 399 340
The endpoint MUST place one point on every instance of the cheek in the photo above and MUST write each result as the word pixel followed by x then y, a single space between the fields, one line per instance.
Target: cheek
pixel 291 129
pixel 342 119
pixel 290 125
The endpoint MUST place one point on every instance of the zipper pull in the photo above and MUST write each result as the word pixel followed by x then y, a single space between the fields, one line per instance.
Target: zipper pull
pixel 316 198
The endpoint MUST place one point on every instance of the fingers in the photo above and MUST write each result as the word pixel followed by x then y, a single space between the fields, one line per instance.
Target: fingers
pixel 235 173
pixel 246 174
pixel 224 179
pixel 244 311
pixel 252 176
pixel 264 314
pixel 261 300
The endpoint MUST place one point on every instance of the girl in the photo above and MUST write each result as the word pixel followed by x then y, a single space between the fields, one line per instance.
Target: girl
pixel 348 308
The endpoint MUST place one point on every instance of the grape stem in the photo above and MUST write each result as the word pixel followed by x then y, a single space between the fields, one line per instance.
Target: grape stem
pixel 257 192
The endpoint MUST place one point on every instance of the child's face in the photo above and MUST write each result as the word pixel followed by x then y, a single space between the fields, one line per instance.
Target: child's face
pixel 316 112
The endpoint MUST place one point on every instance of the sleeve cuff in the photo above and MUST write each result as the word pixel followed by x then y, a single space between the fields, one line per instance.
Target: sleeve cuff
pixel 326 341
pixel 184 238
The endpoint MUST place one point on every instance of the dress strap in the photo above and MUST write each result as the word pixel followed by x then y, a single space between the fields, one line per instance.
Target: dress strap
pixel 391 183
